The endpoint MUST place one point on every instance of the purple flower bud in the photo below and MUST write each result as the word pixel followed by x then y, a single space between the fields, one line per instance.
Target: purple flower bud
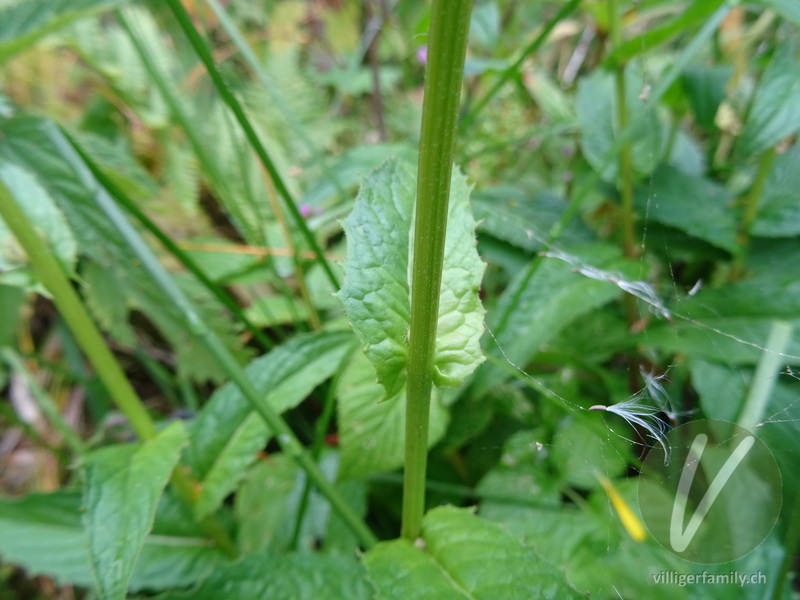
pixel 305 210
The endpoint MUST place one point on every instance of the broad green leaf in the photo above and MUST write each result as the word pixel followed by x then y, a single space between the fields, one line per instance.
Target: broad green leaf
pixel 228 433
pixel 376 289
pixel 779 211
pixel 582 450
pixel 123 487
pixel 268 502
pixel 705 89
pixel 597 116
pixel 27 142
pixel 43 534
pixel 462 557
pixel 372 432
pixel 540 302
pixel 511 215
pixel 775 112
pixel 271 576
pixel 22 22
pixel 694 205
pixel 42 212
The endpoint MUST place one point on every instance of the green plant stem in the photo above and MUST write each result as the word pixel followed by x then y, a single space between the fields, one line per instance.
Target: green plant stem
pixel 753 198
pixel 513 69
pixel 274 93
pixel 71 308
pixel 766 374
pixel 92 343
pixel 447 44
pixel 625 160
pixel 286 438
pixel 204 53
pixel 171 246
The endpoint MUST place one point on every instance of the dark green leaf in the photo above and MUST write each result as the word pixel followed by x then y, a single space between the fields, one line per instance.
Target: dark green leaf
pixel 123 487
pixel 705 89
pixel 695 205
pixel 779 212
pixel 775 111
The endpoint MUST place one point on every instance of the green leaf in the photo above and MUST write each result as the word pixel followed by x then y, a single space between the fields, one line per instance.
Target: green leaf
pixel 789 9
pixel 376 289
pixel 583 449
pixel 775 112
pixel 228 433
pixel 43 534
pixel 42 211
pixel 534 308
pixel 295 576
pixel 123 487
pixel 462 557
pixel 597 116
pixel 372 432
pixel 705 89
pixel 779 213
pixel 22 22
pixel 694 205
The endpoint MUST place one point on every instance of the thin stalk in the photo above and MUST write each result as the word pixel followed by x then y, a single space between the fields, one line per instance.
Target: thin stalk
pixel 172 247
pixel 447 47
pixel 625 156
pixel 71 308
pixel 92 343
pixel 274 93
pixel 766 374
pixel 285 436
pixel 513 69
pixel 51 412
pixel 753 199
pixel 203 52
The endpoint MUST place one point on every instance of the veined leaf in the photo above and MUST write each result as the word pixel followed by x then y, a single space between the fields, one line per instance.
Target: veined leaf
pixel 43 534
pixel 228 433
pixel 376 291
pixel 41 210
pixel 462 557
pixel 533 309
pixel 372 433
pixel 123 487
pixel 22 22
pixel 293 576
pixel 775 113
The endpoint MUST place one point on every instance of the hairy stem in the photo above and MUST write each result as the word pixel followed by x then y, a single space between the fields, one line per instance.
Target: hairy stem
pixel 447 46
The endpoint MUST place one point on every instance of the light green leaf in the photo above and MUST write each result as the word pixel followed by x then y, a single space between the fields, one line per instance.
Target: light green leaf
pixel 22 22
pixel 597 116
pixel 42 212
pixel 228 433
pixel 371 432
pixel 123 487
pixel 779 213
pixel 43 534
pixel 291 577
pixel 789 9
pixel 534 308
pixel 376 289
pixel 775 112
pixel 462 557
pixel 694 205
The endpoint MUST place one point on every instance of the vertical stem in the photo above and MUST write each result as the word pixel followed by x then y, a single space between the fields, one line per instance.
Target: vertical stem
pixel 447 46
pixel 625 160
